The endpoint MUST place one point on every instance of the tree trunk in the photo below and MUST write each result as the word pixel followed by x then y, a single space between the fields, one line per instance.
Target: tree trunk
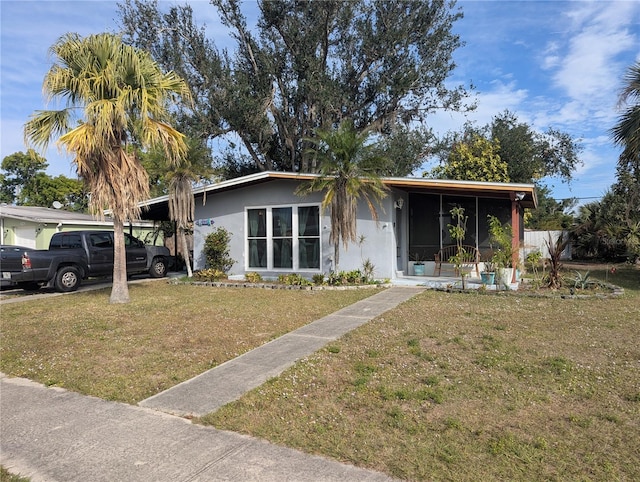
pixel 120 288
pixel 185 252
pixel 336 256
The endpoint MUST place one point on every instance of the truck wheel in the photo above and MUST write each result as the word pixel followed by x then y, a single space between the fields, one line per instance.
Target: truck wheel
pixel 158 268
pixel 67 279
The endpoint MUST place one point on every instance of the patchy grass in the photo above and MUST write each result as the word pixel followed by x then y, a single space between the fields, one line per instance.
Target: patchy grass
pixel 167 334
pixel 468 387
pixel 6 476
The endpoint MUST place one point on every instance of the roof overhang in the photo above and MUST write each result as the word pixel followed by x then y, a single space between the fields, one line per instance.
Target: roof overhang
pixel 158 209
pixel 525 194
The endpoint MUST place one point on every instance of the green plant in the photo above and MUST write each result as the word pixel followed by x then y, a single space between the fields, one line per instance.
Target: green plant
pixel 367 270
pixel 534 258
pixel 216 250
pixel 209 274
pixel 582 281
pixel 489 267
pixel 253 277
pixel 342 278
pixel 293 279
pixel 554 278
pixel 458 232
pixel 318 279
pixel 417 258
pixel 501 235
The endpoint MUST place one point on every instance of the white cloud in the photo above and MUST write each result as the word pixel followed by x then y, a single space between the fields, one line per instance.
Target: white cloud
pixel 591 67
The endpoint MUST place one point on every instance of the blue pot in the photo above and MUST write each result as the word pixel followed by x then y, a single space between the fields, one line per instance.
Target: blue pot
pixel 488 278
pixel 418 269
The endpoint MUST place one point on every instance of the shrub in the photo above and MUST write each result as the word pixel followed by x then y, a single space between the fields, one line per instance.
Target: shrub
pixel 253 277
pixel 209 274
pixel 346 278
pixel 293 279
pixel 318 279
pixel 216 250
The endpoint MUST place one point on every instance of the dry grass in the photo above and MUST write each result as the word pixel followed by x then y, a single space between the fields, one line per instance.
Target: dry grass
pixel 167 334
pixel 446 386
pixel 469 387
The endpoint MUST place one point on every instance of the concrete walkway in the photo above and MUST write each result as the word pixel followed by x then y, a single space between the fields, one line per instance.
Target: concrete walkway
pixel 229 381
pixel 50 434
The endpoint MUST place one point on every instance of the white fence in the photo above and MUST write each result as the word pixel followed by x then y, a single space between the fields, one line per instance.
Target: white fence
pixel 536 241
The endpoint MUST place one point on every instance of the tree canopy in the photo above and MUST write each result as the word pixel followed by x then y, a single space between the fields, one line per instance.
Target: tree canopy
pixel 25 183
pixel 529 155
pixel 307 65
pixel 475 159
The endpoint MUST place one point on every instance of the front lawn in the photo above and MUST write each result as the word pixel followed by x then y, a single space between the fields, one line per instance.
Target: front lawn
pixel 448 386
pixel 166 335
pixel 469 387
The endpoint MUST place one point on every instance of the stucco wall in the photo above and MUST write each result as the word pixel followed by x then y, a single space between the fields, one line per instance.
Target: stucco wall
pixel 227 209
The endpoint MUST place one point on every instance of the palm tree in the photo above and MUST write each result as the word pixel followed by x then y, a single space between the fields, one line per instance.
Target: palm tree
pixel 196 166
pixel 114 94
pixel 182 207
pixel 626 132
pixel 341 154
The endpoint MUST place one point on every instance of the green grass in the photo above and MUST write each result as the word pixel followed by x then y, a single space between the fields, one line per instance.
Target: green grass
pixel 167 334
pixel 468 387
pixel 6 476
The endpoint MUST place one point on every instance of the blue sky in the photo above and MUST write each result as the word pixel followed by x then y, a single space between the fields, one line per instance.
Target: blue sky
pixel 553 63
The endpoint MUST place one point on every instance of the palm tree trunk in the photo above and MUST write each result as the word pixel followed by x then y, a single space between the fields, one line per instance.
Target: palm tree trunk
pixel 185 252
pixel 120 288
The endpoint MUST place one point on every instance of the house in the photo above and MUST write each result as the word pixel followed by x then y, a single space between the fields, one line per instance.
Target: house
pixel 274 231
pixel 32 226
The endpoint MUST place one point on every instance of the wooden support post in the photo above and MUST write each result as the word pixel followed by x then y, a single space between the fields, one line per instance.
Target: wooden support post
pixel 515 230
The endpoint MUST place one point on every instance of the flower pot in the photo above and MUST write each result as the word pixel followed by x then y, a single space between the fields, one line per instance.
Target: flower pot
pixel 505 275
pixel 488 278
pixel 418 269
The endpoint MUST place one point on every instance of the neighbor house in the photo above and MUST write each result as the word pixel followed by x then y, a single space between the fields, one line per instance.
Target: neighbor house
pixel 274 231
pixel 33 226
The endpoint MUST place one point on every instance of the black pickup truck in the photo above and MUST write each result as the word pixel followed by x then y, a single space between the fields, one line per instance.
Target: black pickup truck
pixel 76 255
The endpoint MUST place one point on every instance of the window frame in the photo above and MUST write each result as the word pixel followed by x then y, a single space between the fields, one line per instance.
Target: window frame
pixel 295 238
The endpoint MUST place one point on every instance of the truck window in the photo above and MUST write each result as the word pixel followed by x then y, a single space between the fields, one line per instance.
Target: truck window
pixel 101 240
pixel 66 241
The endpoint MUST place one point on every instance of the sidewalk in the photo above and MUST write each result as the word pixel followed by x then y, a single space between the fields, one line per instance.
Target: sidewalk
pixel 50 434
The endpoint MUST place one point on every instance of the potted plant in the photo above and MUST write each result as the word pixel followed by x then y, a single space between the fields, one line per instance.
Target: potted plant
pixel 501 236
pixel 457 232
pixel 488 274
pixel 418 264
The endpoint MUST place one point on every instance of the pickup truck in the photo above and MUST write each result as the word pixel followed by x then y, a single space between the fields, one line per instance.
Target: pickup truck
pixel 76 255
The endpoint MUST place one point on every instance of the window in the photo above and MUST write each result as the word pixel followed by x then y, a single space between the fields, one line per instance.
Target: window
pixel 283 238
pixel 66 241
pixel 101 240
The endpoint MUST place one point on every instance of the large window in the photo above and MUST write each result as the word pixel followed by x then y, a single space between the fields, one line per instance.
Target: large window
pixel 283 238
